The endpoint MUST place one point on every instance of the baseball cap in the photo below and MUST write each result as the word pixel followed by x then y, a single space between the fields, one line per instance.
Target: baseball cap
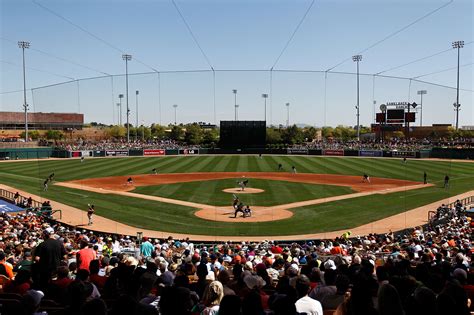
pixel 330 265
pixel 49 230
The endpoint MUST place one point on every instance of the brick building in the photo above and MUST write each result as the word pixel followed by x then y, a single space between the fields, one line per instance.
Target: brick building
pixel 41 121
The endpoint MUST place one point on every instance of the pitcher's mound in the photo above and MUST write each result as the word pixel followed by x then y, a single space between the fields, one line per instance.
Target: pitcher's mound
pixel 246 191
pixel 259 214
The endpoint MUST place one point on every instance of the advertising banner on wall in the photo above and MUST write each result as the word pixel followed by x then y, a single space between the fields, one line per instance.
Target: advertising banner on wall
pixel 99 153
pixel 86 153
pixel 411 154
pixel 370 153
pixel 150 152
pixel 188 151
pixel 116 153
pixel 296 151
pixel 333 152
pixel 75 153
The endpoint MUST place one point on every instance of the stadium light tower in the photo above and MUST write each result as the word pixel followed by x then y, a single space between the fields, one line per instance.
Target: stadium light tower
pixel 421 93
pixel 175 107
pixel 118 113
pixel 265 96
pixel 120 104
pixel 127 58
pixel 357 58
pixel 136 104
pixel 457 45
pixel 237 111
pixel 235 104
pixel 287 115
pixel 24 45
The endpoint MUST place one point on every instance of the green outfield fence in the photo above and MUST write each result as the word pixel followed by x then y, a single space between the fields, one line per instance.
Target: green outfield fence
pixel 48 152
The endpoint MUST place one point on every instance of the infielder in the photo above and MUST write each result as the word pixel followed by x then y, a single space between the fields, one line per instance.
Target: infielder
pixel 366 178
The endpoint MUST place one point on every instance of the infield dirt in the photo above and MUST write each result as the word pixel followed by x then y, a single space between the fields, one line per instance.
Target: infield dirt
pixel 119 185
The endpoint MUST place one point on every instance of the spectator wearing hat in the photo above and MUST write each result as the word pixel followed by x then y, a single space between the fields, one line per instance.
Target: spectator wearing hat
pixel 48 255
pixel 328 288
pixel 26 263
pixel 212 298
pixel 254 284
pixel 31 301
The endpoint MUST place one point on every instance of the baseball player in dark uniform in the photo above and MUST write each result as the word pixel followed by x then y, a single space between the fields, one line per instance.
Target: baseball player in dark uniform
pixel 129 181
pixel 446 181
pixel 90 212
pixel 366 178
pixel 240 208
pixel 425 178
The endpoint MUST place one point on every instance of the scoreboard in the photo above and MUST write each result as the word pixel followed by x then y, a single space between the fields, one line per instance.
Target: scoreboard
pixel 242 134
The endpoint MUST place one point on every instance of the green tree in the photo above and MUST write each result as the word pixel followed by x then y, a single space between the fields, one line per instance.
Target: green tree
pixel 177 133
pixel 310 133
pixel 32 134
pixel 116 131
pixel 193 134
pixel 292 135
pixel 157 131
pixel 210 137
pixel 273 136
pixel 327 132
pixel 54 135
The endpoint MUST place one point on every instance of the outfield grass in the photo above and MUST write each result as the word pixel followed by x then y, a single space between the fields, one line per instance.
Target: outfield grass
pixel 344 214
pixel 276 192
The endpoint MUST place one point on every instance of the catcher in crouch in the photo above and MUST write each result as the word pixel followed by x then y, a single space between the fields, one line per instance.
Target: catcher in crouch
pixel 242 184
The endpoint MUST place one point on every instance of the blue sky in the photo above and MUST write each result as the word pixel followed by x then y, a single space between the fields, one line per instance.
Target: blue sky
pixel 236 35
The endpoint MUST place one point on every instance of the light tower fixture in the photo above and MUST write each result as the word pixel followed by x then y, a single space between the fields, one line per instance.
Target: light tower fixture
pixel 421 93
pixel 120 115
pixel 235 104
pixel 23 45
pixel 136 114
pixel 457 45
pixel 287 114
pixel 175 108
pixel 265 96
pixel 356 59
pixel 127 58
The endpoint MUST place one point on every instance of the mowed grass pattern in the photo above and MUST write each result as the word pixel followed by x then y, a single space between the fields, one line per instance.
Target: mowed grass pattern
pixel 344 214
pixel 210 192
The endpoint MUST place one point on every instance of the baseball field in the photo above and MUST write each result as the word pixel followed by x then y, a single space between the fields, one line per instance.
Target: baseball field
pixel 188 194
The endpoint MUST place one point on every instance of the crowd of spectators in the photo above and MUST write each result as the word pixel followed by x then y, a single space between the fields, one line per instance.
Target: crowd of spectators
pixel 59 269
pixel 394 144
pixel 83 145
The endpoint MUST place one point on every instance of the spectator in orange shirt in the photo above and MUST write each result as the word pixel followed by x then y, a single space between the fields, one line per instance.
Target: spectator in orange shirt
pixel 336 249
pixel 8 268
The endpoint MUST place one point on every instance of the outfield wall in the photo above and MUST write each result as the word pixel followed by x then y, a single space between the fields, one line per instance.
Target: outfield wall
pixel 47 152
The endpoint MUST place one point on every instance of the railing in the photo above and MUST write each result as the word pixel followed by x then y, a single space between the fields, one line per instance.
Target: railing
pixel 10 196
pixel 465 202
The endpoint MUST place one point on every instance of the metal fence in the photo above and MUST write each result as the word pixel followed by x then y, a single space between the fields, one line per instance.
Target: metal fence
pixel 10 196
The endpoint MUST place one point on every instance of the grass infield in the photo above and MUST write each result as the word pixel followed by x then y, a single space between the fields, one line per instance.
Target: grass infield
pixel 276 192
pixel 344 214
